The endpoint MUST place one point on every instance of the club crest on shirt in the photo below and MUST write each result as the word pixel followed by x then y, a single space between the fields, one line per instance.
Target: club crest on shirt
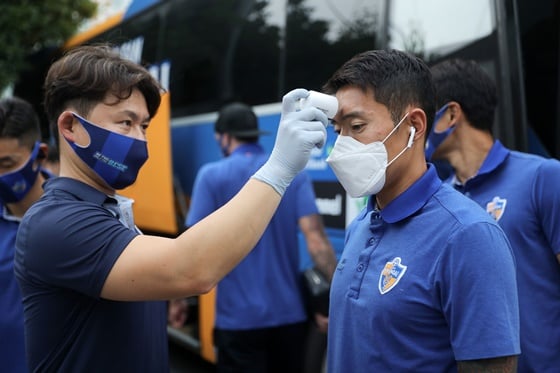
pixel 391 275
pixel 496 207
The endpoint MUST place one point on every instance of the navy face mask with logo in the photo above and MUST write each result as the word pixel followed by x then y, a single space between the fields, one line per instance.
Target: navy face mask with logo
pixel 116 158
pixel 436 138
pixel 16 184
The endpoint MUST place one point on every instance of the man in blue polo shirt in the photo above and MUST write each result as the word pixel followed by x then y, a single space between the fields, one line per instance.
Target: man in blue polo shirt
pixel 426 281
pixel 92 285
pixel 260 316
pixel 519 190
pixel 22 155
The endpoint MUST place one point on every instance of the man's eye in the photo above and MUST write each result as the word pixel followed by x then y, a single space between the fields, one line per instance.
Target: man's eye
pixel 357 126
pixel 6 166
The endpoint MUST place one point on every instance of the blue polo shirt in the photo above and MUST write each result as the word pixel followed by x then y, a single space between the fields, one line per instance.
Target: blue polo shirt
pixel 264 289
pixel 12 347
pixel 426 281
pixel 522 192
pixel 67 244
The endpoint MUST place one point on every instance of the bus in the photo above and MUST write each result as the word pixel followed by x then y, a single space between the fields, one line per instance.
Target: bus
pixel 210 52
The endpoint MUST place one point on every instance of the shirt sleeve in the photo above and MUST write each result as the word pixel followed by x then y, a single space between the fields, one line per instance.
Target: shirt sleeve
pixel 478 292
pixel 546 198
pixel 73 246
pixel 203 201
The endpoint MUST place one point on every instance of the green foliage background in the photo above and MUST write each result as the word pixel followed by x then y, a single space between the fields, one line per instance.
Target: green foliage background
pixel 26 26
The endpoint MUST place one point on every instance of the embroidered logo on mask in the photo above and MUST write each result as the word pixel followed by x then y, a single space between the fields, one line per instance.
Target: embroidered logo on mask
pixel 391 275
pixel 496 207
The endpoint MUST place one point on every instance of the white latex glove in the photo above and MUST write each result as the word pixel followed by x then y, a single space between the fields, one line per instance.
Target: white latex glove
pixel 298 133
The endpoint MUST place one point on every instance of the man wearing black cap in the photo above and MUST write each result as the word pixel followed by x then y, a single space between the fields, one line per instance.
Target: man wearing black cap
pixel 260 314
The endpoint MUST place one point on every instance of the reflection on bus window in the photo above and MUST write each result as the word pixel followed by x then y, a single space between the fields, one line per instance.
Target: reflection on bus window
pixel 430 28
pixel 248 50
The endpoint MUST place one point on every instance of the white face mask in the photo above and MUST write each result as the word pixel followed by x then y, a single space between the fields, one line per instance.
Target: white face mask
pixel 360 168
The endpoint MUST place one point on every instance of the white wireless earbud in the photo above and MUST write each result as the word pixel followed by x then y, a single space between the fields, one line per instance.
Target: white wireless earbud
pixel 411 137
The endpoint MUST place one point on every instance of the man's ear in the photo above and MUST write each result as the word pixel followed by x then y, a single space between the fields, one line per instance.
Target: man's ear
pixel 455 113
pixel 226 140
pixel 419 121
pixel 43 151
pixel 66 125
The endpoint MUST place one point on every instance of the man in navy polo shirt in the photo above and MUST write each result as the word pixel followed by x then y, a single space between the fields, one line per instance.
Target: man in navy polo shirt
pixel 260 316
pixel 92 285
pixel 22 155
pixel 519 190
pixel 426 281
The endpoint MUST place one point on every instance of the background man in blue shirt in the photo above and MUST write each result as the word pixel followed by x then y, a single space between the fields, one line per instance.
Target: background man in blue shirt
pixel 519 190
pixel 21 156
pixel 92 285
pixel 426 281
pixel 260 314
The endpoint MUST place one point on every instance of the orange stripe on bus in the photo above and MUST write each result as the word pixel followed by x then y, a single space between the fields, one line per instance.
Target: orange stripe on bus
pixel 93 31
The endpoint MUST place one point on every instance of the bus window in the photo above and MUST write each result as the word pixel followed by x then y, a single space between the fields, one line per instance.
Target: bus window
pixel 431 27
pixel 437 30
pixel 255 51
pixel 515 42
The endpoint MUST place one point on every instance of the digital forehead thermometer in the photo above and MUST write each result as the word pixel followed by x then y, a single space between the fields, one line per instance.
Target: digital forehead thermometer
pixel 326 103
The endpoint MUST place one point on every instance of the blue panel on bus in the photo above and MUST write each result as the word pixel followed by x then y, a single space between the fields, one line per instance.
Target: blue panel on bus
pixel 192 147
pixel 137 6
pixel 317 166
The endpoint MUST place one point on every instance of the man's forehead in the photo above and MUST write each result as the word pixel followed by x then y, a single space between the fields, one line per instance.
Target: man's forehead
pixel 365 109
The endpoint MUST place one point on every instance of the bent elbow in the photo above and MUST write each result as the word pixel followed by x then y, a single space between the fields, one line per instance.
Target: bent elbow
pixel 200 285
pixel 205 286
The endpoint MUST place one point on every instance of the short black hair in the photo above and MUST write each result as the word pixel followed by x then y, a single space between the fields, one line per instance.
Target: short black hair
pixel 465 82
pixel 396 78
pixel 18 120
pixel 85 75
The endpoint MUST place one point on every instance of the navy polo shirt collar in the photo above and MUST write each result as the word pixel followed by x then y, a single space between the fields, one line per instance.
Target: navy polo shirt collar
pixel 78 189
pixel 412 199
